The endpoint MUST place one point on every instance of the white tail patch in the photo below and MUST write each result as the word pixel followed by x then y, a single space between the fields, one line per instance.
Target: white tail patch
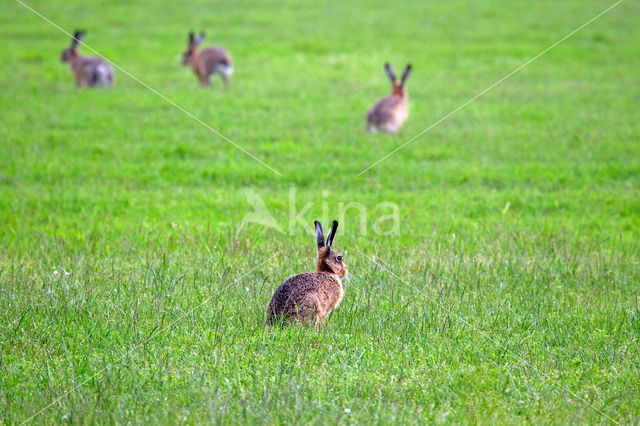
pixel 225 69
pixel 103 75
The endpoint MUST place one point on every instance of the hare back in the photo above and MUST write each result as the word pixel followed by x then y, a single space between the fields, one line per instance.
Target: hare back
pixel 93 71
pixel 306 294
pixel 211 58
pixel 388 113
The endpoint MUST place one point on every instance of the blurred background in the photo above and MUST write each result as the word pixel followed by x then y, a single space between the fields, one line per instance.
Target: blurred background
pixel 120 214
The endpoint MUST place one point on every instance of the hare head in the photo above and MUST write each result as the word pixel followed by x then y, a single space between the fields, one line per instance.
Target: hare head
pixel 193 43
pixel 329 260
pixel 398 87
pixel 71 52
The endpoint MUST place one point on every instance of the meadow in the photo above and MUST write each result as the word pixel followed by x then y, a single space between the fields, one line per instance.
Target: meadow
pixel 130 292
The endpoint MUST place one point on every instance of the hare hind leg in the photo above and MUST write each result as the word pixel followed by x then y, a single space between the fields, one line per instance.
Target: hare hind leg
pixel 391 127
pixel 309 311
pixel 225 79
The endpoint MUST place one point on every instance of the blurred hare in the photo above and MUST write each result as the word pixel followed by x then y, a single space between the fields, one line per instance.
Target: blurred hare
pixel 89 71
pixel 311 296
pixel 208 61
pixel 388 114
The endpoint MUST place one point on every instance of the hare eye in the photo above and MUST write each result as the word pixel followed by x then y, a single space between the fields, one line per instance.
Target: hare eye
pixel 339 258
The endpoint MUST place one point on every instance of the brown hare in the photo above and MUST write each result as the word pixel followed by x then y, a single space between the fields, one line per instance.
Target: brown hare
pixel 89 71
pixel 208 61
pixel 388 114
pixel 311 296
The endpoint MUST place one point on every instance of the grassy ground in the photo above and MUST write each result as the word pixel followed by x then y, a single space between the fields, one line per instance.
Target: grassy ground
pixel 129 293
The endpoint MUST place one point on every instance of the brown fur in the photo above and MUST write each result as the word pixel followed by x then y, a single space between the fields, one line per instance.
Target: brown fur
pixel 311 296
pixel 207 61
pixel 88 71
pixel 389 113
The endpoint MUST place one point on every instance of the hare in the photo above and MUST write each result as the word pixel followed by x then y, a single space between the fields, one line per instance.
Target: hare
pixel 88 71
pixel 311 296
pixel 388 114
pixel 208 61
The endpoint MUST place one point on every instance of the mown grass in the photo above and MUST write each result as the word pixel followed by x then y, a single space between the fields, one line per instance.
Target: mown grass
pixel 129 293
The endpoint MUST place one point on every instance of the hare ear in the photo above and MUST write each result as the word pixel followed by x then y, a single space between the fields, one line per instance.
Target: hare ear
pixel 332 234
pixel 405 74
pixel 319 234
pixel 390 73
pixel 77 38
pixel 192 38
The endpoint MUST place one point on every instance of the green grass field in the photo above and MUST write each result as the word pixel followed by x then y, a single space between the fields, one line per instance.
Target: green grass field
pixel 129 292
